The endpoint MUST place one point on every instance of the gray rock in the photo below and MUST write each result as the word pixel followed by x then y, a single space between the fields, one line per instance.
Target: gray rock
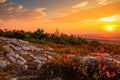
pixel 38 61
pixel 19 62
pixel 26 48
pixel 40 58
pixel 19 51
pixel 17 56
pixel 35 48
pixel 89 60
pixel 23 42
pixel 22 59
pixel 31 55
pixel 12 59
pixel 3 63
pixel 39 66
pixel 12 54
pixel 17 48
pixel 47 52
pixel 8 49
pixel 23 52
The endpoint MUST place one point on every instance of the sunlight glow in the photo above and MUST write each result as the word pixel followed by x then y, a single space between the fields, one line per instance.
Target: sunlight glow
pixel 109 19
pixel 110 28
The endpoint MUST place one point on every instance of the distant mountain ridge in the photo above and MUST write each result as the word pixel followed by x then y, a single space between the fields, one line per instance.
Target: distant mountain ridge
pixel 95 36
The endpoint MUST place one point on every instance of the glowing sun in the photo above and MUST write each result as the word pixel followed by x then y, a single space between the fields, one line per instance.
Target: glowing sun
pixel 110 28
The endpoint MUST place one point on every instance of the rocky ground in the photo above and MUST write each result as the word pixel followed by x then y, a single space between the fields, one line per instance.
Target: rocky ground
pixel 23 54
pixel 27 56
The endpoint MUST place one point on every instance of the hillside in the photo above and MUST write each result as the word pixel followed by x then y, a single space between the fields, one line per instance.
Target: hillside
pixel 21 59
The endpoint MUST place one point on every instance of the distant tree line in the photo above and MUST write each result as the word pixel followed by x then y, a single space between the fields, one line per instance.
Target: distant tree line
pixel 39 36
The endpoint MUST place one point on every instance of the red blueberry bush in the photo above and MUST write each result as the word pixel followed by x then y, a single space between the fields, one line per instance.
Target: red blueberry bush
pixel 68 67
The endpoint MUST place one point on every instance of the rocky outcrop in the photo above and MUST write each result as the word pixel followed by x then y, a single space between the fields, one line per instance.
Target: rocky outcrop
pixel 102 59
pixel 20 52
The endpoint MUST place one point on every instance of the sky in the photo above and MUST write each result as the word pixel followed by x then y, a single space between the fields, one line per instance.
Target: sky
pixel 68 16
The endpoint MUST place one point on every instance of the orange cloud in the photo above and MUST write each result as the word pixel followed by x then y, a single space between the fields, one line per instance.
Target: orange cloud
pixel 103 2
pixel 91 13
pixel 9 12
pixel 11 8
pixel 2 1
pixel 30 15
pixel 82 4
pixel 110 18
pixel 19 7
pixel 18 17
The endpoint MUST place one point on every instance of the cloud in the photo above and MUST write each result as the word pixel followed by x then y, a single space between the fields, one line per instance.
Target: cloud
pixel 40 11
pixel 110 18
pixel 11 8
pixel 30 14
pixel 19 13
pixel 90 13
pixel 3 1
pixel 5 12
pixel 103 2
pixel 11 3
pixel 82 4
pixel 19 7
pixel 67 12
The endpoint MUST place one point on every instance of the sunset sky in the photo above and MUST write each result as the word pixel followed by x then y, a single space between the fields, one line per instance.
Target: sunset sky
pixel 101 17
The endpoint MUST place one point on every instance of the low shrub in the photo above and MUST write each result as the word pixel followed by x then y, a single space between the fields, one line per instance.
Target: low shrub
pixel 4 76
pixel 71 68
